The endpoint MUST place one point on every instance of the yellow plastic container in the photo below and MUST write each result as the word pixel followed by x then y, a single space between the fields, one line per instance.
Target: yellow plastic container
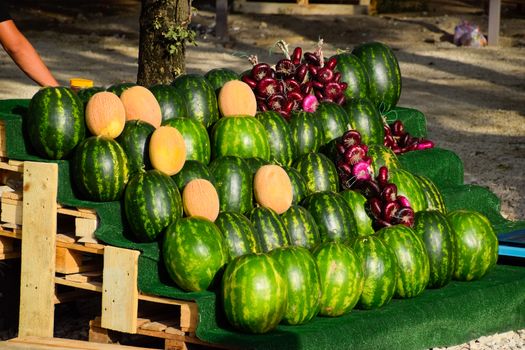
pixel 80 83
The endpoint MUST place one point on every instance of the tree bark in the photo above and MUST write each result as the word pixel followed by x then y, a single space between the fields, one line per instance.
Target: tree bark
pixel 157 65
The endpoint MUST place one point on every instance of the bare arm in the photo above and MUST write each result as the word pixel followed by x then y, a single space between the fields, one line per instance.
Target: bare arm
pixel 24 54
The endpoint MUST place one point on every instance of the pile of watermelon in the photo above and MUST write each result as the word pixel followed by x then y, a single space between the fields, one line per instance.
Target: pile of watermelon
pixel 292 212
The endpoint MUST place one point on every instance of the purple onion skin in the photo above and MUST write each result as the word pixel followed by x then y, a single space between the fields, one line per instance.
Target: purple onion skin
pixel 403 201
pixel 310 103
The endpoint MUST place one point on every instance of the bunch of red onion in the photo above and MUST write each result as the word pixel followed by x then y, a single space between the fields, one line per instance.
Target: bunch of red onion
pixel 297 82
pixel 401 141
pixel 353 165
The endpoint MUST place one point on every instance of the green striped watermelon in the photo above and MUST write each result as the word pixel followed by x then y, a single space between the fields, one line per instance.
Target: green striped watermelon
pixel 255 163
pixel 100 169
pixel 254 293
pixel 357 203
pixel 195 137
pixel 239 234
pixel 409 186
pixel 269 228
pixel 364 117
pixel 86 93
pixel 172 104
pixel 234 184
pixel 333 216
pixel 301 227
pixel 342 278
pixel 304 286
pixel 201 101
pixel 307 135
pixel 477 244
pixel 354 73
pixel 380 269
pixel 241 136
pixel 440 242
pixel 412 259
pixel 383 156
pixel 134 139
pixel 282 149
pixel 217 77
pixel 192 170
pixel 300 191
pixel 55 122
pixel 194 253
pixel 384 73
pixel 333 120
pixel 319 172
pixel 433 196
pixel 151 203
pixel 119 88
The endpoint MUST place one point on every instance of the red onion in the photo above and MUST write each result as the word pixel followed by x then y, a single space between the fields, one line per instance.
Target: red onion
pixel 296 55
pixel 261 71
pixel 361 171
pixel 310 103
pixel 403 201
pixel 331 63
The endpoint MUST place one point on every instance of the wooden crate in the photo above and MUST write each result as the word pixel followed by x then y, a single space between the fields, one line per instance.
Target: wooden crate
pixel 43 343
pixel 300 7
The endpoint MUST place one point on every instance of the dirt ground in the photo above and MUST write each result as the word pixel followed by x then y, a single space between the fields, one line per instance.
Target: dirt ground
pixel 474 99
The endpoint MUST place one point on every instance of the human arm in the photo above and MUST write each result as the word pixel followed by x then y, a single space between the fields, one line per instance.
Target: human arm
pixel 24 54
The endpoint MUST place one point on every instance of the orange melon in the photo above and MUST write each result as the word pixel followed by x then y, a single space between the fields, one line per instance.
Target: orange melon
pixel 272 188
pixel 236 98
pixel 167 150
pixel 140 103
pixel 105 115
pixel 200 198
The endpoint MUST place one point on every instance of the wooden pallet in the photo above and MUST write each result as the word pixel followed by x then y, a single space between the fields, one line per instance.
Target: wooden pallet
pixel 43 343
pixel 300 7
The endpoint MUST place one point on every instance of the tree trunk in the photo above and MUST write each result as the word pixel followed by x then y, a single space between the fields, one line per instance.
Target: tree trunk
pixel 161 47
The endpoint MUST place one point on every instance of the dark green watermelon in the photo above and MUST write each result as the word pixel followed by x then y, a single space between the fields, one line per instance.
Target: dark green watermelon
pixel 383 156
pixel 301 227
pixel 357 203
pixel 151 203
pixel 134 139
pixel 201 101
pixel 307 135
pixel 254 293
pixel 255 163
pixel 172 104
pixel 269 228
pixel 384 74
pixel 364 117
pixel 194 253
pixel 55 122
pixel 239 234
pixel 217 77
pixel 300 191
pixel 319 172
pixel 192 170
pixel 333 120
pixel 195 137
pixel 282 149
pixel 119 88
pixel 304 285
pixel 354 73
pixel 440 242
pixel 409 186
pixel 100 169
pixel 435 200
pixel 85 94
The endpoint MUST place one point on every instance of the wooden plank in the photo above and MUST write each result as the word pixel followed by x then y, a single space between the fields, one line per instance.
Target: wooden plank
pixel 3 143
pixel 85 227
pixel 11 213
pixel 270 8
pixel 61 343
pixel 10 165
pixel 189 312
pixel 83 277
pixel 11 230
pixel 37 288
pixel 120 291
pixel 494 22
pixel 92 286
pixel 88 248
pixel 74 212
pixel 10 255
pixel 7 244
pixel 68 261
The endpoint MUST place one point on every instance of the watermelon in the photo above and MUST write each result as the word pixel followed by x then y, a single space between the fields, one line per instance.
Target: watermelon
pixel 55 122
pixel 383 156
pixel 300 191
pixel 333 120
pixel 306 133
pixel 409 186
pixel 192 170
pixel 172 104
pixel 412 259
pixel 354 73
pixel 357 203
pixel 194 253
pixel 241 136
pixel 119 88
pixel 239 234
pixel 303 284
pixel 384 73
pixel 86 93
pixel 134 139
pixel 195 137
pixel 341 276
pixel 435 200
pixel 282 149
pixel 477 244
pixel 364 117
pixel 319 172
pixel 217 77
pixel 254 293
pixel 201 101
pixel 440 242
pixel 234 184
pixel 100 169
pixel 255 163
pixel 333 216
pixel 269 228
pixel 301 227
pixel 380 267
pixel 151 203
